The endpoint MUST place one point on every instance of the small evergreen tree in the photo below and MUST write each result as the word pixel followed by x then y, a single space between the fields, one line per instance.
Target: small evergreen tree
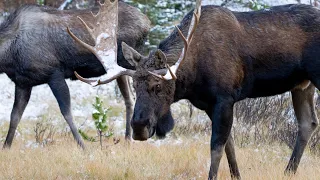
pixel 100 120
pixel 100 117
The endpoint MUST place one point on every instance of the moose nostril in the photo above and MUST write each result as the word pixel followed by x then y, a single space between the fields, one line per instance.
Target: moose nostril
pixel 139 123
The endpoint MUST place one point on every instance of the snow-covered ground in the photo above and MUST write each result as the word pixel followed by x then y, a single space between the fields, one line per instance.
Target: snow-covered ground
pixel 236 7
pixel 268 2
pixel 42 100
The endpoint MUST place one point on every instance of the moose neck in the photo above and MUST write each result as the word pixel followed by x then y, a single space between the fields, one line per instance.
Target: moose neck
pixel 172 47
pixel 185 74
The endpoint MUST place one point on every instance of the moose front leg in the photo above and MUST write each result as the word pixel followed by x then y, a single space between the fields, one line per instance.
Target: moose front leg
pixel 124 86
pixel 221 126
pixel 303 104
pixel 21 99
pixel 231 156
pixel 61 92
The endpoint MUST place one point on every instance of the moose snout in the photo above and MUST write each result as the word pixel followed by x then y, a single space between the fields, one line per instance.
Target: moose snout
pixel 139 123
pixel 140 129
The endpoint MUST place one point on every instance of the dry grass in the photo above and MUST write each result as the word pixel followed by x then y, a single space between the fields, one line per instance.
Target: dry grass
pixel 144 160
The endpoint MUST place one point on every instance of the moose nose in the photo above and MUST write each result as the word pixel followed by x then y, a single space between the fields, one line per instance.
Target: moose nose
pixel 139 120
pixel 139 124
pixel 140 129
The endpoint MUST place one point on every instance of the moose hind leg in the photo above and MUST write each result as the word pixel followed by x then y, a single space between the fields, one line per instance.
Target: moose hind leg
pixel 125 89
pixel 61 92
pixel 303 104
pixel 231 156
pixel 21 99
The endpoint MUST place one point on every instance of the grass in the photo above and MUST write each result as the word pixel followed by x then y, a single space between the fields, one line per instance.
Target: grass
pixel 188 158
pixel 145 160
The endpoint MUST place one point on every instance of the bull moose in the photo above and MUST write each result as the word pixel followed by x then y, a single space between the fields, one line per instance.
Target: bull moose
pixel 35 49
pixel 232 56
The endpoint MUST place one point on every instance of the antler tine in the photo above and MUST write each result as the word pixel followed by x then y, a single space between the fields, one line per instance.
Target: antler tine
pixel 156 75
pixel 181 35
pixel 101 6
pixel 85 25
pixel 187 40
pixel 88 81
pixel 192 29
pixel 167 66
pixel 89 47
pixel 197 18
pixel 108 77
pixel 171 73
pixel 100 3
pixel 126 72
pixel 107 2
pixel 79 41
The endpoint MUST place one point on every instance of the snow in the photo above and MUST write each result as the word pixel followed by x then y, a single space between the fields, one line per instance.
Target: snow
pixel 64 4
pixel 42 100
pixel 237 7
pixel 102 36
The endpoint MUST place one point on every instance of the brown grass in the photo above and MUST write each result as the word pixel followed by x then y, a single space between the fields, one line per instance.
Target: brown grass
pixel 145 160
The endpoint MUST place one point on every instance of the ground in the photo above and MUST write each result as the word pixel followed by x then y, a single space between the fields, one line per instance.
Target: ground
pixel 186 158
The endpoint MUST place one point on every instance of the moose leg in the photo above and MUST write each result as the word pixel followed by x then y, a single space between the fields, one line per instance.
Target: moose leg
pixel 60 90
pixel 221 117
pixel 231 156
pixel 124 86
pixel 303 104
pixel 21 99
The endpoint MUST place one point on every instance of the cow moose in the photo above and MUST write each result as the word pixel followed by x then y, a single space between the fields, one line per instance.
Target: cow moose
pixel 232 56
pixel 35 48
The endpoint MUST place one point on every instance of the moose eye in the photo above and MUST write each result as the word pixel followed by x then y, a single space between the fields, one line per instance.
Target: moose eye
pixel 157 88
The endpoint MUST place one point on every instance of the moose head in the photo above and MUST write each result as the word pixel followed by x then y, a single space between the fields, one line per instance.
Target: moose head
pixel 154 95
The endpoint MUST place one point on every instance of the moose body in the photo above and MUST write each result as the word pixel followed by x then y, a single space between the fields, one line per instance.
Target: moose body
pixel 35 49
pixel 232 56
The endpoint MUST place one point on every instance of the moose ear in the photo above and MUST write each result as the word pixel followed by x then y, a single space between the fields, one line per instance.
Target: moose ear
pixel 161 59
pixel 131 55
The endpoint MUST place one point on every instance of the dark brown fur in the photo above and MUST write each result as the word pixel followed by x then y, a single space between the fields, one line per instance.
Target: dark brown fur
pixel 233 56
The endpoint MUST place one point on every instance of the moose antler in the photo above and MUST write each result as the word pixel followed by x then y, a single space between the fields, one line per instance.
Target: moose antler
pixel 171 71
pixel 105 35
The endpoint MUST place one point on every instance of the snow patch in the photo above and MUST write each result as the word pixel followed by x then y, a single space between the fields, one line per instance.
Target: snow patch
pixel 102 36
pixel 64 4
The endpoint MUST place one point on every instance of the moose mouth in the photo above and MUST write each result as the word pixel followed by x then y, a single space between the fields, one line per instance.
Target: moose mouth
pixel 144 133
